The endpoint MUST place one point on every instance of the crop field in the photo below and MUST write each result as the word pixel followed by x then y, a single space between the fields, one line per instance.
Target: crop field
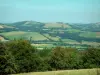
pixel 91 43
pixel 53 38
pixel 56 25
pixel 21 34
pixel 66 72
pixel 73 30
pixel 90 35
pixel 68 40
pixel 43 45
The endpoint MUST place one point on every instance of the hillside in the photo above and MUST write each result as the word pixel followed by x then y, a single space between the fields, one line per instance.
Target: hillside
pixel 87 27
pixel 56 25
pixel 53 34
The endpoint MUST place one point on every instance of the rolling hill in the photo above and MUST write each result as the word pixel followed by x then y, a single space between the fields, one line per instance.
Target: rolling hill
pixel 56 34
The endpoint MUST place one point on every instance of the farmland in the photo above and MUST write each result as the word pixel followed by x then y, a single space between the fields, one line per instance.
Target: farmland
pixel 89 35
pixel 56 25
pixel 20 57
pixel 23 35
pixel 52 34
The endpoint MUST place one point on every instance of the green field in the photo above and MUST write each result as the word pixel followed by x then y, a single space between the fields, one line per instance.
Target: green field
pixel 68 40
pixel 73 30
pixel 91 43
pixel 41 46
pixel 66 72
pixel 25 35
pixel 53 38
pixel 88 34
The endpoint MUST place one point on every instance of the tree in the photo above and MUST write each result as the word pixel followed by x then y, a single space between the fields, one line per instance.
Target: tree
pixel 92 58
pixel 62 58
pixel 7 60
pixel 26 56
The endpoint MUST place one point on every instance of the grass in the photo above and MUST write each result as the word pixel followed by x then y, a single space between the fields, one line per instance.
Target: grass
pixel 43 45
pixel 53 38
pixel 90 43
pixel 69 41
pixel 65 72
pixel 21 34
pixel 73 30
pixel 90 35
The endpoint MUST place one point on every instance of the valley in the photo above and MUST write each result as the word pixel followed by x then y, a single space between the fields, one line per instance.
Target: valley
pixel 49 35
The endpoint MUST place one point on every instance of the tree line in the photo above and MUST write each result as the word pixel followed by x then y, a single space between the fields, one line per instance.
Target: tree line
pixel 19 56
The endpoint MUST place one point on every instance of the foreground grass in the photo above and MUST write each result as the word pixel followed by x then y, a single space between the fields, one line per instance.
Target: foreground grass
pixel 66 72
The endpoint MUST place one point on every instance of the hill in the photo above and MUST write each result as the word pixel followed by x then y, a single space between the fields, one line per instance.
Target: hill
pixel 87 27
pixel 26 23
pixel 53 34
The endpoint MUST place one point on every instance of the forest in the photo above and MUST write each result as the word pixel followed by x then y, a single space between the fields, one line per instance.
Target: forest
pixel 18 56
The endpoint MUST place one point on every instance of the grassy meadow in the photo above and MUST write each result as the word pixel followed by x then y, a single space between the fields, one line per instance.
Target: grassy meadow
pixel 90 35
pixel 21 34
pixel 66 72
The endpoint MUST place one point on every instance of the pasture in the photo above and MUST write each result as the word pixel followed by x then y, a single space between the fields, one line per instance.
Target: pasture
pixel 56 38
pixel 25 35
pixel 73 30
pixel 43 45
pixel 90 35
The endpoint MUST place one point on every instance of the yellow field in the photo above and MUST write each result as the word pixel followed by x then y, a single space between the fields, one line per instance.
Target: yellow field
pixel 66 72
pixel 56 25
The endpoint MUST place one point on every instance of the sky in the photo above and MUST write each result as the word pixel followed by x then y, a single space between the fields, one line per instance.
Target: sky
pixel 69 11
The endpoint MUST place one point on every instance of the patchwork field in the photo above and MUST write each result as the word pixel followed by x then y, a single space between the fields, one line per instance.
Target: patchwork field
pixel 54 34
pixel 66 72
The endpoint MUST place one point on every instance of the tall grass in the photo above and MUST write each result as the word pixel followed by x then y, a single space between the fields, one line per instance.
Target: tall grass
pixel 66 72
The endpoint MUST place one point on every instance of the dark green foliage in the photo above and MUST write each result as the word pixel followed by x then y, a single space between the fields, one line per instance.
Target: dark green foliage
pixel 19 56
pixel 63 58
pixel 45 53
pixel 25 55
pixel 92 58
pixel 7 60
